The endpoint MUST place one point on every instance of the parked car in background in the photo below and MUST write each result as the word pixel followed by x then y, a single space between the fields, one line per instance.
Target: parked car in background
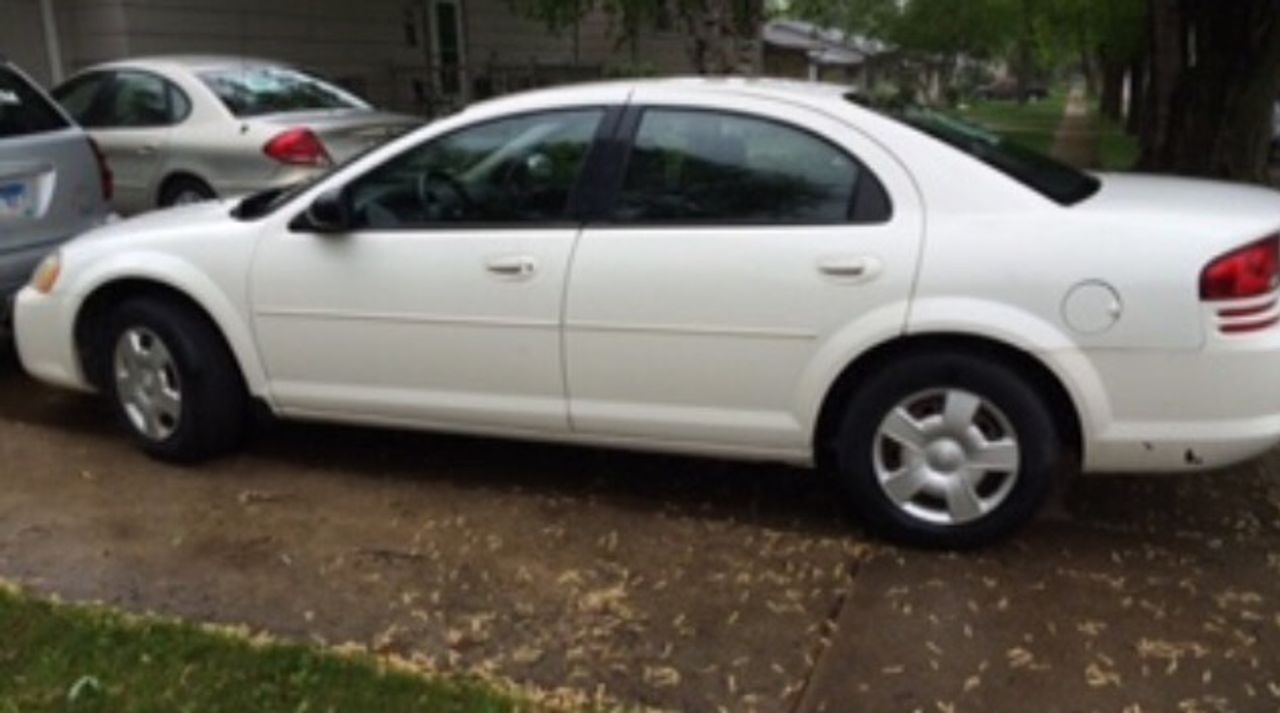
pixel 761 270
pixel 184 129
pixel 1009 90
pixel 53 182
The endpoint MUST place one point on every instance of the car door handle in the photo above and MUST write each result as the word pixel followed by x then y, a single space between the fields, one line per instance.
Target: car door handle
pixel 146 149
pixel 512 265
pixel 850 268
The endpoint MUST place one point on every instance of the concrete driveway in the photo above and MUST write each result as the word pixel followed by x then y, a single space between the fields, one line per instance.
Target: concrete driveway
pixel 674 583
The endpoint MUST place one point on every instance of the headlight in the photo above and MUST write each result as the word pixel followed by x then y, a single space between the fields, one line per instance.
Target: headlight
pixel 47 272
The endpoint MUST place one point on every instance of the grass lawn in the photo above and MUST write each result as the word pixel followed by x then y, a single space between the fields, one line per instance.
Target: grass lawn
pixel 1033 125
pixel 1117 150
pixel 75 659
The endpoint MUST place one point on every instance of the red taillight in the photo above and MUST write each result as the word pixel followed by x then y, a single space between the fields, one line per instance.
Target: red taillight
pixel 1251 271
pixel 105 178
pixel 297 147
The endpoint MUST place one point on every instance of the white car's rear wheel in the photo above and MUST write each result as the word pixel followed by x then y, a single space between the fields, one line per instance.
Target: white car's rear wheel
pixel 947 450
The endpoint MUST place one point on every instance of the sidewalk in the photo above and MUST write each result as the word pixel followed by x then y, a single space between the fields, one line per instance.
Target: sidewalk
pixel 1153 595
pixel 1077 139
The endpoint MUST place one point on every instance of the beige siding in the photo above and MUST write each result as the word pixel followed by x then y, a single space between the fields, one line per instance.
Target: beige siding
pixel 362 44
pixel 22 37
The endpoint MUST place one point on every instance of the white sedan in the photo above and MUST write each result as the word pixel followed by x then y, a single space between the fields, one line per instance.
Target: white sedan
pixel 748 269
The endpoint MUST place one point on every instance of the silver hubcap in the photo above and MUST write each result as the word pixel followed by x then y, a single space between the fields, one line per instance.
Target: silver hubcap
pixel 946 456
pixel 147 383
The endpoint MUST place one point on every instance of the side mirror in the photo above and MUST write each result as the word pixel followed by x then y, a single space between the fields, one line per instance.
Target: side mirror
pixel 329 213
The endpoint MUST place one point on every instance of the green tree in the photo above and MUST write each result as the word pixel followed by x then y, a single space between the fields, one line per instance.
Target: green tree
pixel 716 31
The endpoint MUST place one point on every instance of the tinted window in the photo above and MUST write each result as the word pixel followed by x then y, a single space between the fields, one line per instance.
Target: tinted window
pixel 701 166
pixel 1053 179
pixel 79 95
pixel 137 100
pixel 23 110
pixel 254 91
pixel 516 170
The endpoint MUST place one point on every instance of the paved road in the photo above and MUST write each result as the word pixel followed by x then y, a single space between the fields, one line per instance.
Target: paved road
pixel 675 583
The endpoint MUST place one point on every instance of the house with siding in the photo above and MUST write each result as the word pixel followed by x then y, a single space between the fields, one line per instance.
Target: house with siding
pixel 424 56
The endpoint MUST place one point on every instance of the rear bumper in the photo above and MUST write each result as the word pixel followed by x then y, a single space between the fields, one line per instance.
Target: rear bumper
pixel 1177 412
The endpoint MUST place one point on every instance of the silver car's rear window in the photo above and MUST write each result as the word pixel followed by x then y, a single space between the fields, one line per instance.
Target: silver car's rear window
pixel 23 110
pixel 255 91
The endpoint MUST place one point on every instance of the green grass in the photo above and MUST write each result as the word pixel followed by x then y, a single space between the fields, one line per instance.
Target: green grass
pixel 75 659
pixel 1034 125
pixel 1117 150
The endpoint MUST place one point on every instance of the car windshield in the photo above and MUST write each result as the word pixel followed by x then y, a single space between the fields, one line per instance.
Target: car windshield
pixel 257 90
pixel 23 110
pixel 1053 179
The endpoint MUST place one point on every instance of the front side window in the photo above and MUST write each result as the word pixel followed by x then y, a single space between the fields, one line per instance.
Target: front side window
pixel 23 111
pixel 140 100
pixel 509 171
pixel 257 90
pixel 689 166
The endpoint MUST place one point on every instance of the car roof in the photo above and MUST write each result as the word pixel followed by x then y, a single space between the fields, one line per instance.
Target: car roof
pixel 814 94
pixel 189 62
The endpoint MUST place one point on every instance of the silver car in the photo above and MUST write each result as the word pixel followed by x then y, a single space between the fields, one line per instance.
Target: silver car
pixel 53 182
pixel 184 129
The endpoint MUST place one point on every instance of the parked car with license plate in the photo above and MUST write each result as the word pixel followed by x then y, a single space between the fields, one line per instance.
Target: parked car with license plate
pixel 764 270
pixel 53 183
pixel 183 129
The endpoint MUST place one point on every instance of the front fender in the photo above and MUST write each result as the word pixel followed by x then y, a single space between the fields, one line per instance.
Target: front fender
pixel 180 275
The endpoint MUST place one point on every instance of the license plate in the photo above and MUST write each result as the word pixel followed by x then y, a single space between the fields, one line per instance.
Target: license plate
pixel 17 200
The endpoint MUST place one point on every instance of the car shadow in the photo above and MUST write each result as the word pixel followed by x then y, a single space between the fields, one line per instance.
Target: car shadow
pixel 769 495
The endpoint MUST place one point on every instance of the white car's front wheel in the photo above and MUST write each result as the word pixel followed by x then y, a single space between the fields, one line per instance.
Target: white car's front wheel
pixel 172 380
pixel 947 450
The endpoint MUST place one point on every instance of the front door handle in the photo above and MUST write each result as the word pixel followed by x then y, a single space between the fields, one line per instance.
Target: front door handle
pixel 512 265
pixel 858 269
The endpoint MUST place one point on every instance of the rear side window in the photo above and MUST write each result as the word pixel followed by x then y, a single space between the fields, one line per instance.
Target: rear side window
pixel 23 110
pixel 695 166
pixel 123 100
pixel 141 99
pixel 79 95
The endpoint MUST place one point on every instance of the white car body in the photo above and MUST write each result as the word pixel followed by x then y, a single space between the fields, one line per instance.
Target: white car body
pixel 211 145
pixel 723 341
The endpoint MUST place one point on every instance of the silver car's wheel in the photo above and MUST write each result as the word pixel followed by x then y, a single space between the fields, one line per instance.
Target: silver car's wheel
pixel 946 456
pixel 147 383
pixel 188 197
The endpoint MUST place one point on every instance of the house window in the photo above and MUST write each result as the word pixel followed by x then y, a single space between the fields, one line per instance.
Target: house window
pixel 447 26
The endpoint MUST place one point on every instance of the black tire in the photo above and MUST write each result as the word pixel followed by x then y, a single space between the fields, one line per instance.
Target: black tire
pixel 1041 454
pixel 175 189
pixel 214 402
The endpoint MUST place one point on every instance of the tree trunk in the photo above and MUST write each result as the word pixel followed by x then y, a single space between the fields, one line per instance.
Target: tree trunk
pixel 1139 83
pixel 1215 117
pixel 1167 59
pixel 1111 101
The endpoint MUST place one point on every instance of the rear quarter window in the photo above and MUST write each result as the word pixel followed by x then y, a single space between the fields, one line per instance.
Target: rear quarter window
pixel 24 110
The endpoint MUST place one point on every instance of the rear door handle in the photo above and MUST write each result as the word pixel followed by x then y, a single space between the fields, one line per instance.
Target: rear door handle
pixel 858 269
pixel 146 149
pixel 512 265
